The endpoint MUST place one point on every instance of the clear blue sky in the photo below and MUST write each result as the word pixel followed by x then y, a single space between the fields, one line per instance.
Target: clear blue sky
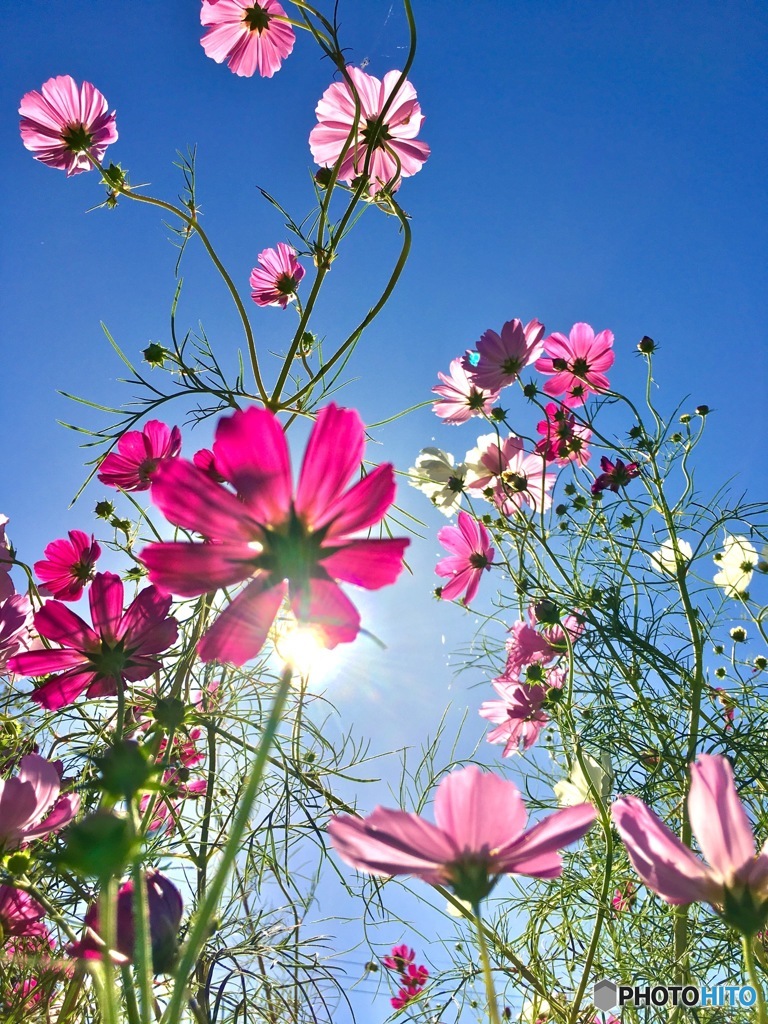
pixel 602 162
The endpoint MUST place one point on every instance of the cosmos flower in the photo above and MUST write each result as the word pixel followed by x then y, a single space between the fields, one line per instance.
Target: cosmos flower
pixel 435 474
pixel 577 363
pixel 281 545
pixel 276 282
pixel 139 453
pixel 68 566
pixel 479 835
pixel 614 475
pixel 62 125
pixel 735 563
pixel 249 34
pixel 519 716
pixel 503 356
pixel 387 142
pixel 664 559
pixel 735 877
pixel 564 440
pixel 471 553
pixel 461 398
pixel 512 477
pixel 165 911
pixel 120 647
pixel 30 804
pixel 20 914
pixel 399 959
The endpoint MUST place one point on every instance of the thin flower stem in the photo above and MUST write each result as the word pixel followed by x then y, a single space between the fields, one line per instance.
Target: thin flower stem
pixel 131 1003
pixel 754 980
pixel 142 949
pixel 201 923
pixel 108 929
pixel 490 991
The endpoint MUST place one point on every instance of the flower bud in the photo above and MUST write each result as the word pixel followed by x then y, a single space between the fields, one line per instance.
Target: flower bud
pixel 646 345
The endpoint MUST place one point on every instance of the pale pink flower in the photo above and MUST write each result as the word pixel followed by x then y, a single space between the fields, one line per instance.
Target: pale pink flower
pixel 68 566
pixel 386 142
pixel 30 804
pixel 276 282
pixel 519 716
pixel 479 835
pixel 62 125
pixel 614 475
pixel 251 35
pixel 503 356
pixel 564 439
pixel 7 588
pixel 577 363
pixel 735 878
pixel 139 453
pixel 471 553
pixel 16 618
pixel 280 544
pixel 515 477
pixel 461 398
pixel 120 647
pixel 20 914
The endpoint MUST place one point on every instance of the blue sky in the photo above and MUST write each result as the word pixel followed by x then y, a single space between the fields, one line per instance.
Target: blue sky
pixel 601 162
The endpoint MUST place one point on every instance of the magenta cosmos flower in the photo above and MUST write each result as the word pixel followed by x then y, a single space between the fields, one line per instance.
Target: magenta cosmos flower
pixel 16 618
pixel 527 645
pixel 139 453
pixel 614 475
pixel 461 397
pixel 276 282
pixel 30 804
pixel 564 440
pixel 20 914
pixel 120 647
pixel 249 36
pixel 471 553
pixel 385 140
pixel 165 913
pixel 503 356
pixel 63 125
pixel 284 546
pixel 577 363
pixel 736 877
pixel 399 958
pixel 511 477
pixel 68 566
pixel 479 835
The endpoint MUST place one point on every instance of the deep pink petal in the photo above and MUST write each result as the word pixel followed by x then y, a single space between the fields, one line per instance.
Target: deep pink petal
pixel 106 601
pixel 240 631
pixel 57 622
pixel 147 611
pixel 63 689
pixel 328 610
pixel 251 452
pixel 362 506
pixel 367 563
pixel 334 452
pixel 191 569
pixel 189 498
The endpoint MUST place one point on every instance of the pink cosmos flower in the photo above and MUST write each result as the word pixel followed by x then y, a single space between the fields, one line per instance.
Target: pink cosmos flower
pixel 30 804
pixel 471 550
pixel 528 645
pixel 736 877
pixel 406 995
pixel 139 453
pixel 514 477
pixel 31 974
pixel 20 914
pixel 119 648
pixel 624 898
pixel 577 363
pixel 564 439
pixel 205 460
pixel 250 35
pixel 479 835
pixel 399 958
pixel 68 566
pixel 7 588
pixel 728 705
pixel 63 125
pixel 165 913
pixel 276 283
pixel 386 141
pixel 614 475
pixel 176 784
pixel 503 356
pixel 518 716
pixel 282 545
pixel 461 397
pixel 16 618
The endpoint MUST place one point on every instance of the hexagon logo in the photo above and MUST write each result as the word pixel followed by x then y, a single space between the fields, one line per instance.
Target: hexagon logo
pixel 605 995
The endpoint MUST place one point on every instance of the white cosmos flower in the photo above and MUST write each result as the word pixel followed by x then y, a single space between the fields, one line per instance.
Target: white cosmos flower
pixel 735 564
pixel 664 559
pixel 575 789
pixel 436 475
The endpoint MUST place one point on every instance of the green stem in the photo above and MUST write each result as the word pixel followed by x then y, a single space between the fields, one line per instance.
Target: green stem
pixel 142 949
pixel 129 991
pixel 490 991
pixel 751 967
pixel 201 923
pixel 108 929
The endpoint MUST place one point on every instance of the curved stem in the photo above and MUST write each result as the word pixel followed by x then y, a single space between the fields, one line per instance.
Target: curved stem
pixel 490 991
